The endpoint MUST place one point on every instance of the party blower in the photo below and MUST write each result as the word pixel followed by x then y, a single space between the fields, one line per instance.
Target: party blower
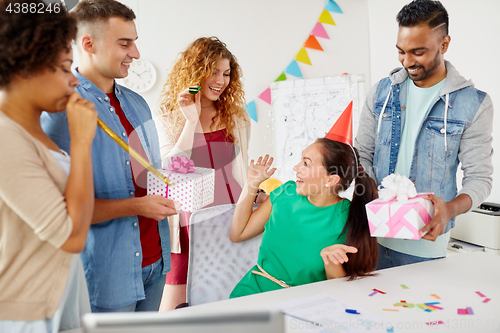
pixel 132 152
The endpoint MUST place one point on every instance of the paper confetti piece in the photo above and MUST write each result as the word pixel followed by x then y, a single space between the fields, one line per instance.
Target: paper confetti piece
pixel 379 291
pixel 404 286
pixel 480 293
pixel 487 300
pixel 391 310
pixel 462 311
pixel 436 296
pixel 435 322
pixel 373 293
pixel 428 307
pixel 469 310
pixel 431 303
pixel 420 306
pixel 435 307
pixel 390 330
pixel 352 311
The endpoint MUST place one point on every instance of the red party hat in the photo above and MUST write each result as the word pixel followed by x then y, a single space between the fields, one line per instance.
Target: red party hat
pixel 341 131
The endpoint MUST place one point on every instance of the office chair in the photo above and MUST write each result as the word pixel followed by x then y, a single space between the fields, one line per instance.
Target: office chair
pixel 216 264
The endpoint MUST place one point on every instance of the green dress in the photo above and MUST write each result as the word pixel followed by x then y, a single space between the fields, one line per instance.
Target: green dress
pixel 293 238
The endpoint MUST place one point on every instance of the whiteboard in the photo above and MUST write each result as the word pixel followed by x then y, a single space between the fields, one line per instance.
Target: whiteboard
pixel 305 110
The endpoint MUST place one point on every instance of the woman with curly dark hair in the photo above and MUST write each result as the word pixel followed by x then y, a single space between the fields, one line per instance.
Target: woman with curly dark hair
pixel 211 127
pixel 46 199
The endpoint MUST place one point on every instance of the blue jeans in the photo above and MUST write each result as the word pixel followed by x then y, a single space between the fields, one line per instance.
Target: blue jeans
pixel 388 258
pixel 154 281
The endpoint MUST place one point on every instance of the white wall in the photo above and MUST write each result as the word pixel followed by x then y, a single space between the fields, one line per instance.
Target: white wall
pixel 473 50
pixel 265 36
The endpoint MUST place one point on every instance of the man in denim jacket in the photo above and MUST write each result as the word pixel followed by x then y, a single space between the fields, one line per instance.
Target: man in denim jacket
pixel 421 122
pixel 128 247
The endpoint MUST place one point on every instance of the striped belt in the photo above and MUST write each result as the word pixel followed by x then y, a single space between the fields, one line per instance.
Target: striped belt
pixel 270 277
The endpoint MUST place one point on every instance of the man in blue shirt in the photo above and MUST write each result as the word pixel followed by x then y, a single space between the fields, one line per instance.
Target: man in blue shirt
pixel 128 247
pixel 421 122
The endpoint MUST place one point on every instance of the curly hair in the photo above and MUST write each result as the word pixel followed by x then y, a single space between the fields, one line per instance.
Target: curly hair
pixel 192 67
pixel 31 42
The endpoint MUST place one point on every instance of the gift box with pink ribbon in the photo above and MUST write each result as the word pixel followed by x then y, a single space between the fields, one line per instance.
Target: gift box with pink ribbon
pixel 399 212
pixel 193 187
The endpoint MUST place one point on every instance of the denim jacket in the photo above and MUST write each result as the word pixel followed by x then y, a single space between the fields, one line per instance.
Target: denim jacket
pixel 113 257
pixel 456 129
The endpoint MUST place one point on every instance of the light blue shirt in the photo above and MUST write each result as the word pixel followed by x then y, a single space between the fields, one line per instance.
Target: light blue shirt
pixel 418 103
pixel 112 258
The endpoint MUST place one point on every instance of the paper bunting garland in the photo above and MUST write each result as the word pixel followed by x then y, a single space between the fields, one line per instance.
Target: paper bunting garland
pixel 312 43
pixel 293 69
pixel 326 18
pixel 319 31
pixel 282 77
pixel 266 96
pixel 333 7
pixel 302 56
pixel 252 110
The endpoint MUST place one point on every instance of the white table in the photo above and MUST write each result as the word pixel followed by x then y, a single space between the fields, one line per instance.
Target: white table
pixel 454 279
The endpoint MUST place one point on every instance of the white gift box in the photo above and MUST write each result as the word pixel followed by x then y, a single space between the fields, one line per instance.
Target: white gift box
pixel 192 190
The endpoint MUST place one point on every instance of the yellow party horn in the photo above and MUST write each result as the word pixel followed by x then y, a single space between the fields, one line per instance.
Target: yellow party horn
pixel 132 152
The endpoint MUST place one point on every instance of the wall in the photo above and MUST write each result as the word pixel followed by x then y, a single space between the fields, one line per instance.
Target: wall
pixel 473 49
pixel 264 35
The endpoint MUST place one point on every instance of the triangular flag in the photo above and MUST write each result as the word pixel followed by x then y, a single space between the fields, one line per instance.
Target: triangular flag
pixel 266 96
pixel 332 6
pixel 341 131
pixel 252 110
pixel 303 57
pixel 319 31
pixel 312 43
pixel 294 69
pixel 282 77
pixel 326 18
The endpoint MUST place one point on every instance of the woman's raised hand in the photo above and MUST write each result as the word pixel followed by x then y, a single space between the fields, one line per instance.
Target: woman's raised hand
pixel 190 108
pixel 260 171
pixel 82 119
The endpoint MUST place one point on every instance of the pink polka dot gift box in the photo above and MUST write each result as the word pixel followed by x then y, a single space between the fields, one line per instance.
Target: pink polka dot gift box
pixel 193 190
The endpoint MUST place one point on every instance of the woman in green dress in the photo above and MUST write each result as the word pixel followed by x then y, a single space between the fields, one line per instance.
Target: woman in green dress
pixel 310 232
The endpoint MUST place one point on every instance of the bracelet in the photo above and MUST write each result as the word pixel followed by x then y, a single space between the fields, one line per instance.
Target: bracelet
pixel 259 191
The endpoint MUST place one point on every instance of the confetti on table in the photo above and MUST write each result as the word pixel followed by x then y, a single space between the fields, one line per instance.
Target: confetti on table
pixel 432 303
pixel 486 300
pixel 373 293
pixel 420 306
pixel 404 286
pixel 436 296
pixel 391 310
pixel 390 330
pixel 435 323
pixel 469 310
pixel 462 311
pixel 380 291
pixel 352 311
pixel 434 307
pixel 480 294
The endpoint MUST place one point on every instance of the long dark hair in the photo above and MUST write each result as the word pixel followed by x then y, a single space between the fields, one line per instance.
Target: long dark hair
pixel 339 160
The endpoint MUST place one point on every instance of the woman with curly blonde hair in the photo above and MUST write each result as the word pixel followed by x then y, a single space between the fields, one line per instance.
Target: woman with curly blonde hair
pixel 211 127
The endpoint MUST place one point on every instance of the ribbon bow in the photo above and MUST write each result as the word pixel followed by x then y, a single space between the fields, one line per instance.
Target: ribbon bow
pixel 181 164
pixel 396 186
